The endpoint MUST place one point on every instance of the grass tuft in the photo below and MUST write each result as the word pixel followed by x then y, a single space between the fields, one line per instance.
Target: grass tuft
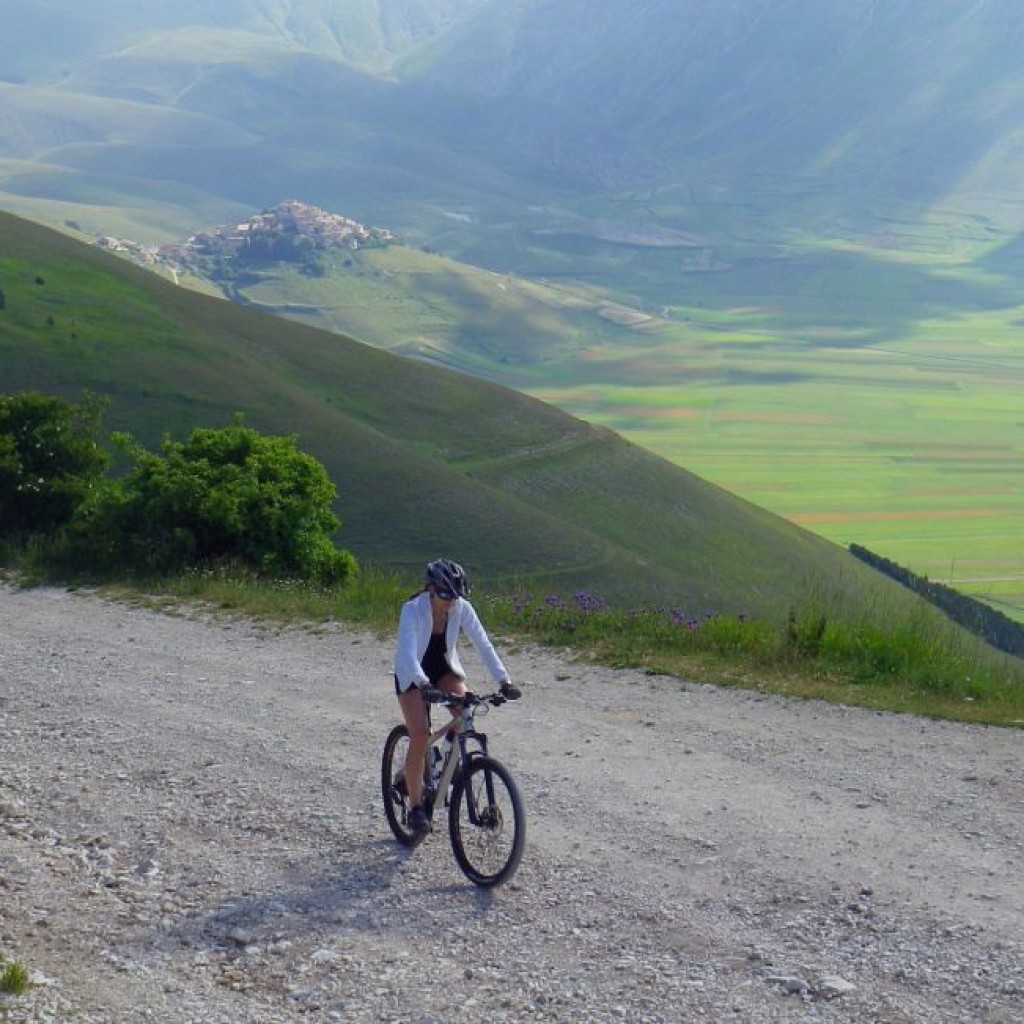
pixel 14 980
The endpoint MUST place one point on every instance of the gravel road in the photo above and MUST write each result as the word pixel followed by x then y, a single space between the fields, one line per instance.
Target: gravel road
pixel 190 830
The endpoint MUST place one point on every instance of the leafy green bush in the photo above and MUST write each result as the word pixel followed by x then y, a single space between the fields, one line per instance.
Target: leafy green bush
pixel 225 495
pixel 50 460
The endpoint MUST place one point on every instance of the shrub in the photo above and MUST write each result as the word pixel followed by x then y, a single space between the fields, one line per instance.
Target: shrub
pixel 50 460
pixel 224 495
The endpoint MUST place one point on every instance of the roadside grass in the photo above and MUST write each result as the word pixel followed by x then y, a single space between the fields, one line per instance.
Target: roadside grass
pixel 913 664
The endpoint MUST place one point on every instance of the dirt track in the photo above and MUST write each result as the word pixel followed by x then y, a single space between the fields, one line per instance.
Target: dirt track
pixel 190 830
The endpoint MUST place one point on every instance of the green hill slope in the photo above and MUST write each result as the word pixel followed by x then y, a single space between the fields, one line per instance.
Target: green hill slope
pixel 426 460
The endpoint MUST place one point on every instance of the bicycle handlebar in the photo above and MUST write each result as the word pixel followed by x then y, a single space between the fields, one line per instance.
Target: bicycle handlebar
pixel 506 694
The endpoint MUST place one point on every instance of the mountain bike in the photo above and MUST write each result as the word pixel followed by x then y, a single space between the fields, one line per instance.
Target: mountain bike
pixel 486 815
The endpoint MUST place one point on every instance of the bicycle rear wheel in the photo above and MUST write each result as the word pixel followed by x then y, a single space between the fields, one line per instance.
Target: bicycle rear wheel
pixel 393 788
pixel 487 822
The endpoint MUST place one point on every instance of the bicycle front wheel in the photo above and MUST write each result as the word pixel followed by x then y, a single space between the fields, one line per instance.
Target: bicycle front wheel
pixel 487 822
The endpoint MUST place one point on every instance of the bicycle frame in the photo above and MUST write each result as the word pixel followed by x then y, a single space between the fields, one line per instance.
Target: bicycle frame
pixel 463 724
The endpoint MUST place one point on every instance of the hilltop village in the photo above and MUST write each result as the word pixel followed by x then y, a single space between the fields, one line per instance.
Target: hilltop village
pixel 289 231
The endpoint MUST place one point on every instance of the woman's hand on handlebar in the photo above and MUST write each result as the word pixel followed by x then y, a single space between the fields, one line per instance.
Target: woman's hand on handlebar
pixel 510 692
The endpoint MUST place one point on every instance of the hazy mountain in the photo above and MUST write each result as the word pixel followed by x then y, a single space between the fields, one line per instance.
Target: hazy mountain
pixel 743 120
pixel 824 108
pixel 50 37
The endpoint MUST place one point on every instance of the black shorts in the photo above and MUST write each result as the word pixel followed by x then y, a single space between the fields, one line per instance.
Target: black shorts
pixel 435 673
pixel 434 677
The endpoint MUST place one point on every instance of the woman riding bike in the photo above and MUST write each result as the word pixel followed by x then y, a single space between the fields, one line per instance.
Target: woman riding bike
pixel 427 655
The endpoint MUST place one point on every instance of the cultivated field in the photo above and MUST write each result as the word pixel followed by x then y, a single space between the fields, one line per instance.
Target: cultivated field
pixel 913 448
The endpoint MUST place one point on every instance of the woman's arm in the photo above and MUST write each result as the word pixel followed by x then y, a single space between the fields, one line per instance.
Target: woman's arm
pixel 474 629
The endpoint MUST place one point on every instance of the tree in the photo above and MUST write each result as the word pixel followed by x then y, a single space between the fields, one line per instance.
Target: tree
pixel 224 495
pixel 50 460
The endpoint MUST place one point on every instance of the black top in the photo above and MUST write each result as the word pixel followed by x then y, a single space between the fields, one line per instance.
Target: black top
pixel 435 659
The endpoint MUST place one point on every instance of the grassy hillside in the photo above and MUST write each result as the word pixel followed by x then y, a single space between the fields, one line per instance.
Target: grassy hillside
pixel 426 460
pixel 870 400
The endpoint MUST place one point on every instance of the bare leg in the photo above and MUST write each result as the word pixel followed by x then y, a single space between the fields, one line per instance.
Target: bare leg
pixel 415 712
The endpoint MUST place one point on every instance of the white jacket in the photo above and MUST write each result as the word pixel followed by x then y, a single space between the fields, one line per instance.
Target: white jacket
pixel 415 624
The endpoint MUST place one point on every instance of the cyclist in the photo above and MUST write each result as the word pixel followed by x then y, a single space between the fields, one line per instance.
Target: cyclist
pixel 427 655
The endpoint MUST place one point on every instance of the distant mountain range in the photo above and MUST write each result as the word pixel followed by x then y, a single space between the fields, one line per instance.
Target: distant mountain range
pixel 748 125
